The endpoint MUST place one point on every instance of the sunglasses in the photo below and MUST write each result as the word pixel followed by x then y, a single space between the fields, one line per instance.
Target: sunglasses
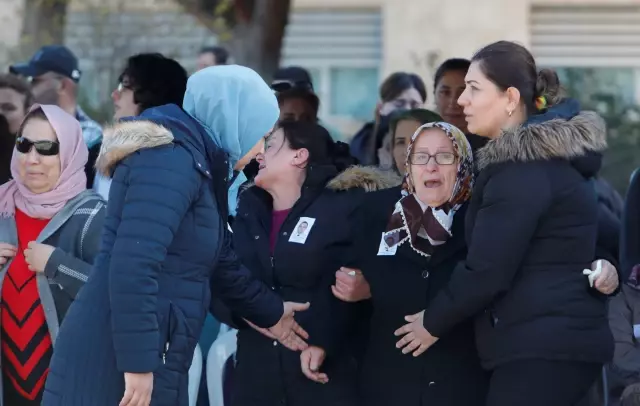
pixel 44 148
pixel 284 85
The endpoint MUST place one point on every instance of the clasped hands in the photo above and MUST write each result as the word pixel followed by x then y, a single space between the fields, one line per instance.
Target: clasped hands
pixel 351 286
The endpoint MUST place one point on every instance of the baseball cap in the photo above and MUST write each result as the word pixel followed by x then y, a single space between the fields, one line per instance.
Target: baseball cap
pixel 50 58
pixel 291 77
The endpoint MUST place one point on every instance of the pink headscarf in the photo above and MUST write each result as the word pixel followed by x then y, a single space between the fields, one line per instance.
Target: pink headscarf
pixel 72 181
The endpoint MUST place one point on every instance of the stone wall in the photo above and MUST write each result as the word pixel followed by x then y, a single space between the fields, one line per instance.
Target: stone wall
pixel 103 40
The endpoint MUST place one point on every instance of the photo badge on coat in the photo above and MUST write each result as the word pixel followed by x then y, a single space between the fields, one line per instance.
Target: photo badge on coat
pixel 388 244
pixel 302 230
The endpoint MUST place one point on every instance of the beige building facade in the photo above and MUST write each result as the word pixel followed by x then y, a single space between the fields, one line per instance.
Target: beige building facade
pixel 350 46
pixel 592 41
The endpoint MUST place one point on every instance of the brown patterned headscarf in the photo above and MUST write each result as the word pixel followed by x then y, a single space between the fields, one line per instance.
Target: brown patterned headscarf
pixel 425 227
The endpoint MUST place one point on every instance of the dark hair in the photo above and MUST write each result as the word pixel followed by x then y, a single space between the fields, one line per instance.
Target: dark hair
pixel 13 82
pixel 155 79
pixel 299 93
pixel 35 113
pixel 317 140
pixel 221 54
pixel 422 116
pixel 398 82
pixel 508 64
pixel 450 65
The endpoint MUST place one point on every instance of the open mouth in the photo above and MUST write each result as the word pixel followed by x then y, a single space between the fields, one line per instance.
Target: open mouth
pixel 430 184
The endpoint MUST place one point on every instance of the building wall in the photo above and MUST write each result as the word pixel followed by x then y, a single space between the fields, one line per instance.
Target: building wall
pixel 103 41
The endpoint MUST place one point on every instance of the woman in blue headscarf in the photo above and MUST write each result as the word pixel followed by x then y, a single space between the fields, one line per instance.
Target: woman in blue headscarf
pixel 129 337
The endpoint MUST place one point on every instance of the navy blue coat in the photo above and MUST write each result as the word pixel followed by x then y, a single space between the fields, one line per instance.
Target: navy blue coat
pixel 144 305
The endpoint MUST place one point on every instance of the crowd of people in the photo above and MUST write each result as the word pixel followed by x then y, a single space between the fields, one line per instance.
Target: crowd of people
pixel 469 255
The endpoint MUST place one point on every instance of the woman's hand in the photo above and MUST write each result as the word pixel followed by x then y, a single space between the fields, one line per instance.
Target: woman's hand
pixel 288 332
pixel 603 276
pixel 37 255
pixel 7 251
pixel 138 388
pixel 416 338
pixel 311 360
pixel 265 332
pixel 351 286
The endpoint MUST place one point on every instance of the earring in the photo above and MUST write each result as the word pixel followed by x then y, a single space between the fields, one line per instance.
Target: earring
pixel 509 112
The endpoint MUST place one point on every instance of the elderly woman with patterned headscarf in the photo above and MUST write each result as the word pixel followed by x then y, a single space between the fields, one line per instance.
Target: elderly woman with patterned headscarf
pixel 412 237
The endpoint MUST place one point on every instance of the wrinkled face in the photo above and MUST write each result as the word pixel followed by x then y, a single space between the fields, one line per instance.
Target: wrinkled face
pixel 123 104
pixel 433 182
pixel 401 141
pixel 297 109
pixel 279 162
pixel 407 100
pixel 484 104
pixel 38 173
pixel 449 89
pixel 12 108
pixel 46 88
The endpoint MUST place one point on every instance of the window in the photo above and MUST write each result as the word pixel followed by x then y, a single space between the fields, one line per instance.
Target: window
pixel 354 92
pixel 342 51
pixel 599 84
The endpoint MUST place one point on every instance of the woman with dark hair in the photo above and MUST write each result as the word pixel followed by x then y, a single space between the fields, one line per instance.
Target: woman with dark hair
pixel 400 91
pixel 15 100
pixel 531 227
pixel 148 80
pixel 293 231
pixel 448 85
pixel 402 128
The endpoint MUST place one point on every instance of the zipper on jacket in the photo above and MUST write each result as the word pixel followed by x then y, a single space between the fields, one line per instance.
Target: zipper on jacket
pixel 167 342
pixel 164 354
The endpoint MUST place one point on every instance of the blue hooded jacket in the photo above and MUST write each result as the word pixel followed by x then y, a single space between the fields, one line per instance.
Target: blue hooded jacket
pixel 165 247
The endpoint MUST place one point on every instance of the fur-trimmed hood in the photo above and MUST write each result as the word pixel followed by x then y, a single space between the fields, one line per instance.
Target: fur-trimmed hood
pixel 368 178
pixel 580 135
pixel 126 137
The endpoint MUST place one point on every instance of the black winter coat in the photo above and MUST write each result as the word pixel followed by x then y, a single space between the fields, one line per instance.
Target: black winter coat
pixel 449 373
pixel 266 373
pixel 531 231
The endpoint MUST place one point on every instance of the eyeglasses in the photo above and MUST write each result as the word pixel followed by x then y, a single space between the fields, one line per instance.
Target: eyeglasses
pixel 284 85
pixel 442 158
pixel 122 87
pixel 44 148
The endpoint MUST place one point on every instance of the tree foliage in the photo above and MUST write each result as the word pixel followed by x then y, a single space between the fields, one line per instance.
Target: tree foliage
pixel 622 118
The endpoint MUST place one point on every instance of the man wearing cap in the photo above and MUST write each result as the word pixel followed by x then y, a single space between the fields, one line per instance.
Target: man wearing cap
pixel 54 75
pixel 294 88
